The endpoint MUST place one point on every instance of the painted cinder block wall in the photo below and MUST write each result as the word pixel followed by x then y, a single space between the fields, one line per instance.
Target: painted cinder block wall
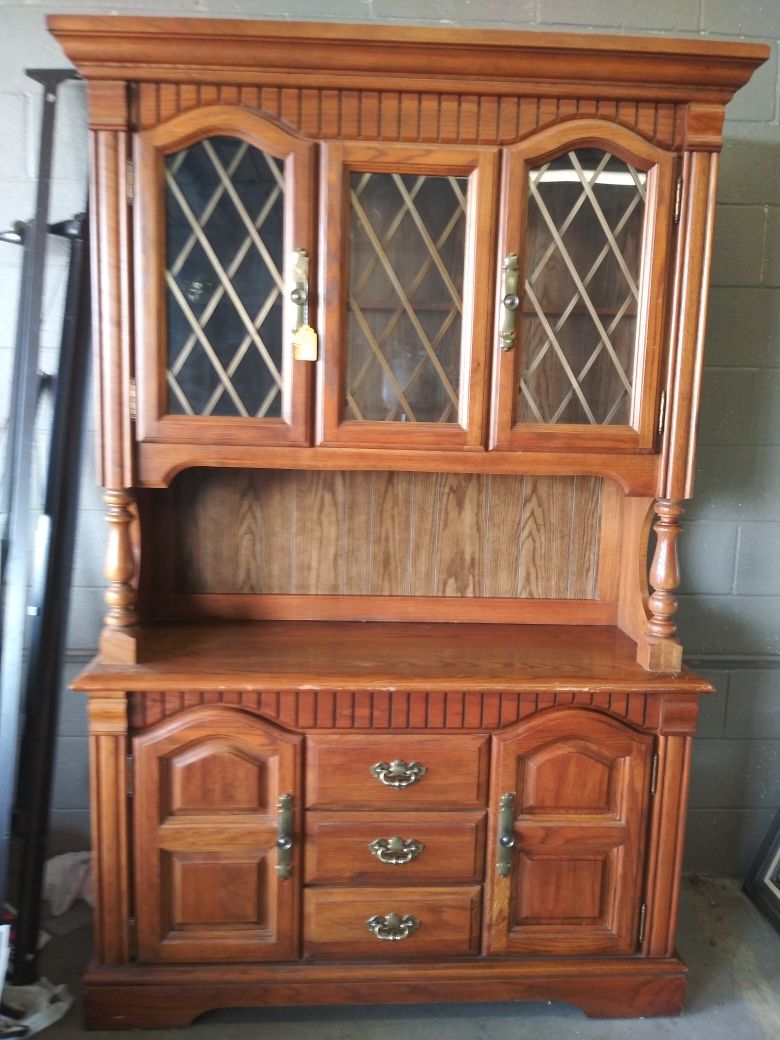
pixel 730 603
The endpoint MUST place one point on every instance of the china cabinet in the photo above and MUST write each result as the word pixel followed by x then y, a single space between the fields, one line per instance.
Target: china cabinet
pixel 399 343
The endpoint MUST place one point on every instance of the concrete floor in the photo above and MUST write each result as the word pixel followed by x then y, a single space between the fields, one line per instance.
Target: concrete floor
pixel 734 994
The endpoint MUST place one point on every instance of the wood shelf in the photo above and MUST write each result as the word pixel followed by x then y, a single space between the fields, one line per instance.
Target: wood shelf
pixel 288 655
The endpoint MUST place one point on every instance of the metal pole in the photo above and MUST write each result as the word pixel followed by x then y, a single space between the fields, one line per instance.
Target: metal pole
pixel 14 594
pixel 53 561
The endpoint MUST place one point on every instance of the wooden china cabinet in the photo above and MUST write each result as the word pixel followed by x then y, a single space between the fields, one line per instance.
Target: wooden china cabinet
pixel 399 343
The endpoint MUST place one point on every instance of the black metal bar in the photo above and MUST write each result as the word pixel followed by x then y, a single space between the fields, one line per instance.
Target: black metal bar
pixel 53 561
pixel 24 401
pixel 22 229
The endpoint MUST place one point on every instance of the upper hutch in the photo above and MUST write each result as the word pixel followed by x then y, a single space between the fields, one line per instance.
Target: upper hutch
pixel 399 343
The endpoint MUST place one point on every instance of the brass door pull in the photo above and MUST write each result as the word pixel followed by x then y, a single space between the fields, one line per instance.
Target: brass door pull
pixel 398 773
pixel 510 301
pixel 392 927
pixel 304 337
pixel 284 839
pixel 396 851
pixel 506 834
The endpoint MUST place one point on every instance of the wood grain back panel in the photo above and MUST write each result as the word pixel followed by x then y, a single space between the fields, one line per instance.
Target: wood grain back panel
pixel 381 534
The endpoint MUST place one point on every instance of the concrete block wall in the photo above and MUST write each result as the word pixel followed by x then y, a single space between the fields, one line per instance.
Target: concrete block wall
pixel 730 603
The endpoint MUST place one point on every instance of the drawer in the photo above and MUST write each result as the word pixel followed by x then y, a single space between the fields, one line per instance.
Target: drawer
pixel 423 771
pixel 434 848
pixel 430 922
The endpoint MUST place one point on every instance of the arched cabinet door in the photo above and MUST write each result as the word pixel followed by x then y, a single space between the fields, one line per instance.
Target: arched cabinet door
pixel 569 796
pixel 586 220
pixel 208 883
pixel 223 202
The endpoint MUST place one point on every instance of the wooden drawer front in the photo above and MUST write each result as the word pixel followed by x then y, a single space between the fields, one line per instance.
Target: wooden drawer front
pixel 437 847
pixel 339 771
pixel 448 921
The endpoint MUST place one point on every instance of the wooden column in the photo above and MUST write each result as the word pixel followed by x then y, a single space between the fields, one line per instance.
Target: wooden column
pixel 657 649
pixel 108 750
pixel 119 638
pixel 667 829
pixel 111 264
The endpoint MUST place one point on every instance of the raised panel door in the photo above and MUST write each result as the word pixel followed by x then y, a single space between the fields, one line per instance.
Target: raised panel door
pixel 573 836
pixel 208 879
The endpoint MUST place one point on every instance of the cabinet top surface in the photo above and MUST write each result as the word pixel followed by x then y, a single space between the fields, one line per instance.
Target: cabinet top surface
pixel 141 47
pixel 353 655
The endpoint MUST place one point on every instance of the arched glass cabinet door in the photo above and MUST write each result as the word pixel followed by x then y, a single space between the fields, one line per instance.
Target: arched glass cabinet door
pixel 587 212
pixel 223 207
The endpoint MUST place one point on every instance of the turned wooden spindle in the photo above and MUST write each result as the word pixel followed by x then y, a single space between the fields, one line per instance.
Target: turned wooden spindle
pixel 118 641
pixel 659 650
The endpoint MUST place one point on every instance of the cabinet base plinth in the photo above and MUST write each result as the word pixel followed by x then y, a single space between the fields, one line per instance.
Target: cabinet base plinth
pixel 138 997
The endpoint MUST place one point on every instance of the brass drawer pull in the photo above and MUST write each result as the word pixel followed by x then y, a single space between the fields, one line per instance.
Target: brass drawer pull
pixel 398 773
pixel 396 851
pixel 392 927
pixel 284 837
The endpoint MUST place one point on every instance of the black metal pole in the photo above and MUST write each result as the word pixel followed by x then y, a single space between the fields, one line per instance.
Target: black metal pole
pixel 52 568
pixel 24 400
pixel 19 233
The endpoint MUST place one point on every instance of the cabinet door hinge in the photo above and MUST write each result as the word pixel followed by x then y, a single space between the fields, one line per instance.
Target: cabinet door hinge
pixel 642 919
pixel 132 399
pixel 129 776
pixel 678 191
pixel 662 412
pixel 129 182
pixel 654 774
pixel 132 937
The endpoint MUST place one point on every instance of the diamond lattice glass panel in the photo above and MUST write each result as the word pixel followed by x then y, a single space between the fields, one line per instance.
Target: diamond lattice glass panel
pixel 582 274
pixel 224 205
pixel 405 307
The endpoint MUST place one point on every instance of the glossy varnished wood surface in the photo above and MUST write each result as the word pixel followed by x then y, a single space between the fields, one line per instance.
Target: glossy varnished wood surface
pixel 211 706
pixel 582 785
pixel 338 853
pixel 287 655
pixel 404 711
pixel 138 997
pixel 375 54
pixel 339 771
pixel 158 464
pixel 335 922
pixel 205 828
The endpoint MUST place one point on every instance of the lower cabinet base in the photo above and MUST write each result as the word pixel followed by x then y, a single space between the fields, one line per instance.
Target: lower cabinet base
pixel 146 997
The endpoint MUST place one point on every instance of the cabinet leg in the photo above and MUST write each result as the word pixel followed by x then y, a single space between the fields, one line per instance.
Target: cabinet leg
pixel 633 998
pixel 159 1007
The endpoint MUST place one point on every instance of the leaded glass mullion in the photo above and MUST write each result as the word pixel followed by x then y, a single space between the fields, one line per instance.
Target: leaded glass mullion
pixel 583 253
pixel 224 279
pixel 405 300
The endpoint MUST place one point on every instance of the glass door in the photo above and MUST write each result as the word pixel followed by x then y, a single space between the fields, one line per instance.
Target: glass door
pixel 586 219
pixel 406 284
pixel 223 215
